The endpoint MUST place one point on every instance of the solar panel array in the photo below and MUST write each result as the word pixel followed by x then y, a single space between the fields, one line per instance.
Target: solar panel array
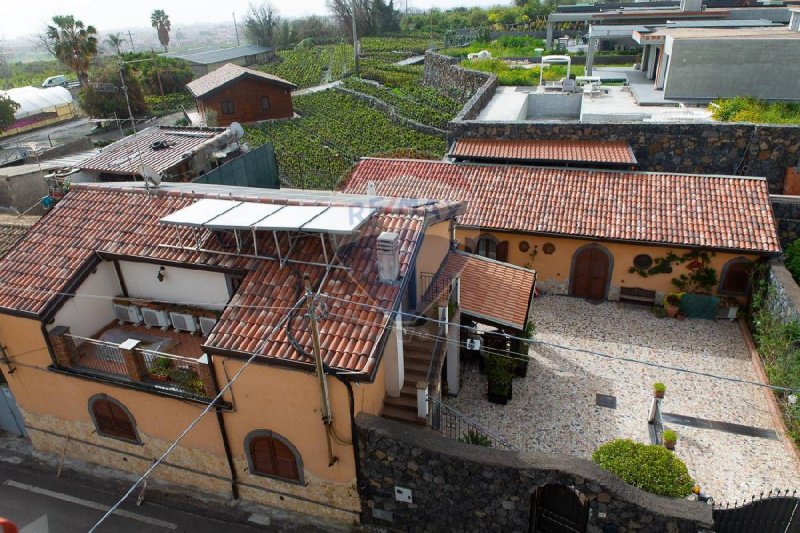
pixel 213 213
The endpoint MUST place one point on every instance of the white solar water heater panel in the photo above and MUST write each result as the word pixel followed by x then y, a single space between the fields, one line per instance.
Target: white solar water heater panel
pixel 290 218
pixel 340 219
pixel 243 216
pixel 199 212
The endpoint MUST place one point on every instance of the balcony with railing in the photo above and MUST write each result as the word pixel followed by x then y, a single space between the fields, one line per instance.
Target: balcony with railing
pixel 164 360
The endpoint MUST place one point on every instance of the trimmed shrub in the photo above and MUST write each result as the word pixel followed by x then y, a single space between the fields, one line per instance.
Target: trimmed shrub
pixel 650 468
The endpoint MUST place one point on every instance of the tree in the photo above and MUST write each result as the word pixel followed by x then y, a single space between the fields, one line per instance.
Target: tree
pixel 7 109
pixel 373 17
pixel 115 41
pixel 72 43
pixel 105 104
pixel 261 24
pixel 160 21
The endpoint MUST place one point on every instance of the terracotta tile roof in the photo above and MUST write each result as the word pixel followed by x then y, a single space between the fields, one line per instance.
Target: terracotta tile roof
pixel 230 73
pixel 491 289
pixel 110 220
pixel 608 152
pixel 720 212
pixel 12 229
pixel 122 157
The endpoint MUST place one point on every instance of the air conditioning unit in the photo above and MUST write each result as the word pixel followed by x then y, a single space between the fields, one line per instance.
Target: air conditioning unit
pixel 207 324
pixel 127 314
pixel 155 317
pixel 183 322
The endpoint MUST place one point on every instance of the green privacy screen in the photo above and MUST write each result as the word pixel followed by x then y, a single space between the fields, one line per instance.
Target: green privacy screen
pixel 256 168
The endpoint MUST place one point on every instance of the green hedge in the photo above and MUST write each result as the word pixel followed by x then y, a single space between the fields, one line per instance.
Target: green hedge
pixel 748 109
pixel 651 468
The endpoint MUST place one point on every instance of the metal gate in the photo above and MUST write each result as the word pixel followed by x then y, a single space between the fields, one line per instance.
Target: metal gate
pixel 773 513
pixel 558 509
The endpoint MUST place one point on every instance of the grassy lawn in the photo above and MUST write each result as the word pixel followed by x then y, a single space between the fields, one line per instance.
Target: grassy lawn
pixel 747 109
pixel 506 75
pixel 503 47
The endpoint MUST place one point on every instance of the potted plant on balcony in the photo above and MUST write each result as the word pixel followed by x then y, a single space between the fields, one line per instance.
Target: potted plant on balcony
pixel 672 303
pixel 161 369
pixel 659 389
pixel 500 373
pixel 670 438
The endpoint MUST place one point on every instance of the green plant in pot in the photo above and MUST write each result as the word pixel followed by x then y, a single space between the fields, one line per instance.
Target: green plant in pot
pixel 473 436
pixel 500 371
pixel 670 438
pixel 659 389
pixel 161 369
pixel 672 304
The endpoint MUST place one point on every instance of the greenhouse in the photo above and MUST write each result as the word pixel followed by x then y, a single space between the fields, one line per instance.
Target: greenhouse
pixel 39 107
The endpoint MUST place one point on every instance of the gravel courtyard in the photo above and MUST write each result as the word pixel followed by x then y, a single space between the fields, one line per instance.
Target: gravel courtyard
pixel 553 409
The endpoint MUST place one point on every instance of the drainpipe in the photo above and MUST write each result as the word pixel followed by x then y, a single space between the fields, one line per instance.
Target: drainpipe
pixel 226 445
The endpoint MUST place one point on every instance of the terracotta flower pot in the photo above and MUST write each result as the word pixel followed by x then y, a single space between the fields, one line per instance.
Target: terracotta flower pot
pixel 658 393
pixel 670 446
pixel 672 310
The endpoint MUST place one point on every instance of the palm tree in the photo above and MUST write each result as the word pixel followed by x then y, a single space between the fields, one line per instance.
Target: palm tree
pixel 115 40
pixel 72 43
pixel 160 21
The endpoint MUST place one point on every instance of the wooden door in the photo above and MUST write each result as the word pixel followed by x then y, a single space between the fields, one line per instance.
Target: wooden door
pixel 590 272
pixel 558 509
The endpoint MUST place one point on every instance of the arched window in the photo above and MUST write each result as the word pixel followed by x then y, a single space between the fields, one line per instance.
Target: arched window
pixel 269 454
pixel 487 247
pixel 112 419
pixel 735 276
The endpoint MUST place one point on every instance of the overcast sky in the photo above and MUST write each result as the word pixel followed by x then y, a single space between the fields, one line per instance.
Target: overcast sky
pixel 20 18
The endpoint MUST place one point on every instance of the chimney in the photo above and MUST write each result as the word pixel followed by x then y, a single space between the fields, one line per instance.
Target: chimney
pixel 388 257
pixel 372 190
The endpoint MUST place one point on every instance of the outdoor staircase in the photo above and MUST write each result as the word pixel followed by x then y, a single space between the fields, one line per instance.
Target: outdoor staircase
pixel 418 346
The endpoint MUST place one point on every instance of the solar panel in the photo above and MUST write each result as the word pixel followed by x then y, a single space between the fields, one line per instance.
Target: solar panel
pixel 243 216
pixel 342 220
pixel 199 212
pixel 290 218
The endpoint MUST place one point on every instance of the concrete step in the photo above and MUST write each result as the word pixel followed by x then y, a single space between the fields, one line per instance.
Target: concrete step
pixel 402 414
pixel 404 401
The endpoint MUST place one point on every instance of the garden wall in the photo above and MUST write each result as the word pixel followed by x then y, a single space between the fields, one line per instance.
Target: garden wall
pixel 701 148
pixel 464 487
pixel 785 301
pixel 444 73
pixel 787 212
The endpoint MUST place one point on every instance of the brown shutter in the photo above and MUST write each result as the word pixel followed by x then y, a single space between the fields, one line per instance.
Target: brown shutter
pixel 112 420
pixel 470 246
pixel 273 458
pixel 501 252
pixel 285 461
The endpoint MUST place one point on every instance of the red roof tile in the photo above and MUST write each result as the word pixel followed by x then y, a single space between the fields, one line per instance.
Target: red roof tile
pixel 610 152
pixel 112 220
pixel 123 157
pixel 230 73
pixel 514 283
pixel 723 212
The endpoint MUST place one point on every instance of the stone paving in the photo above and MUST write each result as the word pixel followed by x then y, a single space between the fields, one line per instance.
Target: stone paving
pixel 553 408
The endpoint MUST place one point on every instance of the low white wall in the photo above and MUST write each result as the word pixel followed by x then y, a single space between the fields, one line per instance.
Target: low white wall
pixel 181 285
pixel 91 308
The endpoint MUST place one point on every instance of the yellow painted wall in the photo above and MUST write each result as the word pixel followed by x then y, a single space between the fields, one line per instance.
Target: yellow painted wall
pixel 434 249
pixel 553 271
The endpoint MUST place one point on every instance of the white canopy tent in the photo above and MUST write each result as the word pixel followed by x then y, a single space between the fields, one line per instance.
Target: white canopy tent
pixel 33 100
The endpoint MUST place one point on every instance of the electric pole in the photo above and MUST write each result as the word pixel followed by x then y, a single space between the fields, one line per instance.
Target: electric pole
pixel 355 35
pixel 236 28
pixel 130 38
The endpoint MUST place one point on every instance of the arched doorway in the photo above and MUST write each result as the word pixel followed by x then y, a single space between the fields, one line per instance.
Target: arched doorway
pixel 557 509
pixel 591 272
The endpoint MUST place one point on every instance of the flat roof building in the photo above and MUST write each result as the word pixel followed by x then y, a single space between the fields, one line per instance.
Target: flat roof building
pixel 205 61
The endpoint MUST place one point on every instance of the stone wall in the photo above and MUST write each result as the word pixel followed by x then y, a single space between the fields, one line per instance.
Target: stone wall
pixel 786 299
pixel 443 73
pixel 464 487
pixel 700 148
pixel 787 212
pixel 394 115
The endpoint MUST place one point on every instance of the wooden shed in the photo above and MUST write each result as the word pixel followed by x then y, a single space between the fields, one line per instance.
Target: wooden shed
pixel 239 94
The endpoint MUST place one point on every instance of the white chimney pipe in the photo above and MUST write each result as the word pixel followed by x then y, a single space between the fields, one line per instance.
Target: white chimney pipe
pixel 388 248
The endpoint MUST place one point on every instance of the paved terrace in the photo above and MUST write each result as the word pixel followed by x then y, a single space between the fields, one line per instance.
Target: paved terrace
pixel 553 409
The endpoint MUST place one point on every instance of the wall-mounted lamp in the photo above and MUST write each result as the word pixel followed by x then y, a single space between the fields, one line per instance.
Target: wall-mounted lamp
pixel 161 274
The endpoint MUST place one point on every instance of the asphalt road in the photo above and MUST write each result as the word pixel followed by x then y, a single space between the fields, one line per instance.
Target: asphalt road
pixel 41 503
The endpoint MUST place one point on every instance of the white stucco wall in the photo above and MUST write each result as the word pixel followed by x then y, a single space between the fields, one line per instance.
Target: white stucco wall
pixel 180 285
pixel 91 307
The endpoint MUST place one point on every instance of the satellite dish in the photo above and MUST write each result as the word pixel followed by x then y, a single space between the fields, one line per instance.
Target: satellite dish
pixel 150 176
pixel 236 129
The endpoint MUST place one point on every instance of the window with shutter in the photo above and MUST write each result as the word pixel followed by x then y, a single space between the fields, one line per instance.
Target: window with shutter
pixel 111 419
pixel 501 252
pixel 271 455
pixel 487 247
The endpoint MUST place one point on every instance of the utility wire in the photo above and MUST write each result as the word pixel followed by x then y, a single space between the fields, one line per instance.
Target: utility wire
pixel 584 350
pixel 191 426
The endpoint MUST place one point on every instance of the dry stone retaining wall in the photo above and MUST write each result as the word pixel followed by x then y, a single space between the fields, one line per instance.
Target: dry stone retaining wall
pixel 464 487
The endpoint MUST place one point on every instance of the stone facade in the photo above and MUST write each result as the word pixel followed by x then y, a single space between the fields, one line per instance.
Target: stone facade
pixel 787 213
pixel 700 148
pixel 464 487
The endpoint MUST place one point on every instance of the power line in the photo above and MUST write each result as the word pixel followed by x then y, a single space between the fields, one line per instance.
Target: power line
pixel 191 426
pixel 583 350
